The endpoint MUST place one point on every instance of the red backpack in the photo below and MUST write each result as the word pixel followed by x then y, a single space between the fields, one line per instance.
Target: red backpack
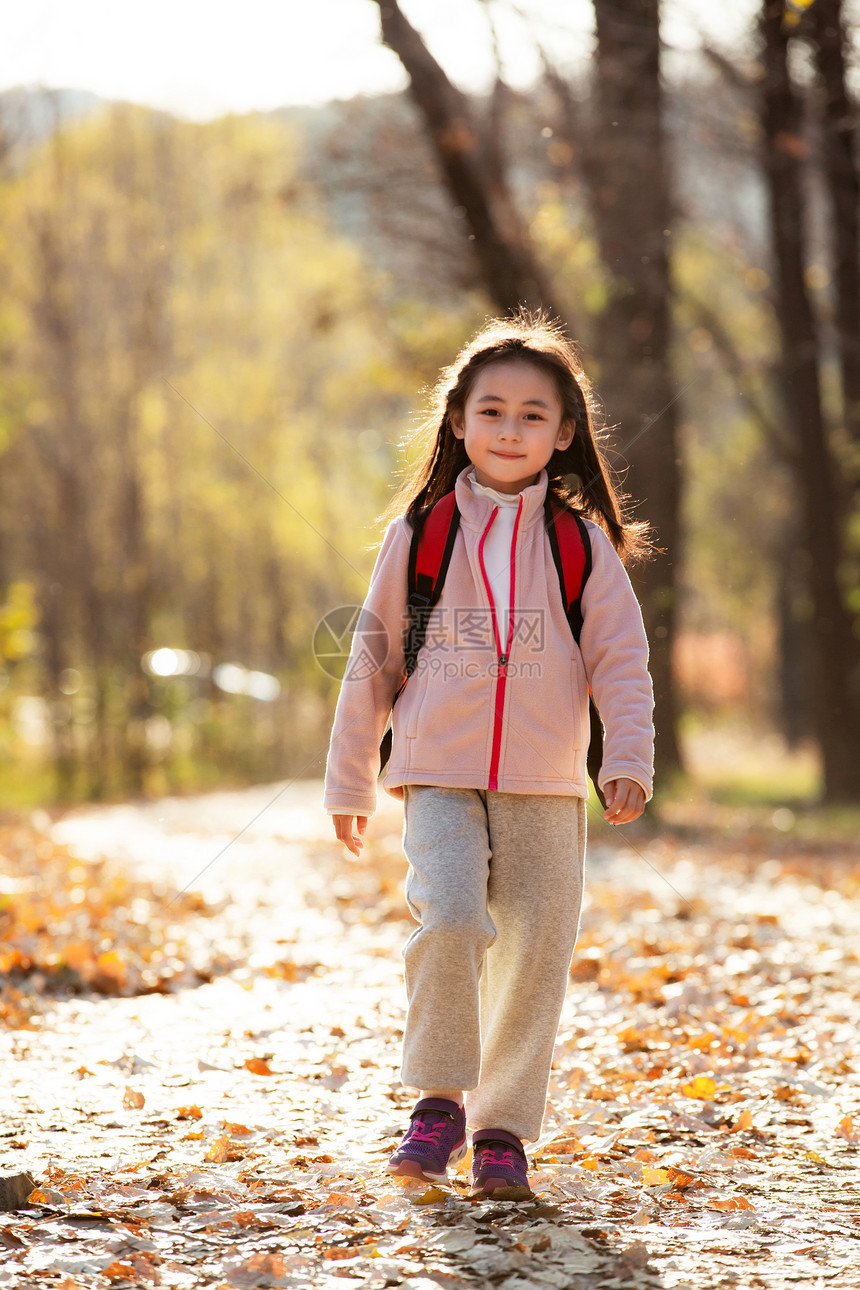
pixel 429 556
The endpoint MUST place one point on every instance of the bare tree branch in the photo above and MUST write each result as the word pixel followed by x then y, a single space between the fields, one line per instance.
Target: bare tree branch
pixel 509 270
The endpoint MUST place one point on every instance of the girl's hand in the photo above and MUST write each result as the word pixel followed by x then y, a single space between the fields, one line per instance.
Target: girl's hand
pixel 352 838
pixel 625 801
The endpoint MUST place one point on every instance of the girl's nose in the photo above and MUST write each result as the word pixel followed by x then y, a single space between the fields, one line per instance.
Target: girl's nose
pixel 509 429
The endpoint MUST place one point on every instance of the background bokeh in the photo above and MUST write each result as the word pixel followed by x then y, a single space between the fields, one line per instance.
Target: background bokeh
pixel 219 312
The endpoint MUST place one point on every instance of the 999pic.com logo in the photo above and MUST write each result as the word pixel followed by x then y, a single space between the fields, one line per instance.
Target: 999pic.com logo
pixel 334 635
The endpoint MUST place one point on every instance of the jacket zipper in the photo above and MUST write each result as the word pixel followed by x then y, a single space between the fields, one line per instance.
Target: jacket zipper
pixel 502 654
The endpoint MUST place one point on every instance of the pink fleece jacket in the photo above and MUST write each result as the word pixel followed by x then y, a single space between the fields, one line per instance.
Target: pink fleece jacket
pixel 468 719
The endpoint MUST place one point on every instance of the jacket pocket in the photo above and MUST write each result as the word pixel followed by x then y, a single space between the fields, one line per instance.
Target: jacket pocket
pixel 412 700
pixel 544 722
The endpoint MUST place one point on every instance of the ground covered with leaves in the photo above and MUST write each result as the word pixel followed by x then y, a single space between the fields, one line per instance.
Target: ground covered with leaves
pixel 202 1050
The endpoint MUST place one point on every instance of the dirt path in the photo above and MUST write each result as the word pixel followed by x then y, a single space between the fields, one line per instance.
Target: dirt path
pixel 705 1112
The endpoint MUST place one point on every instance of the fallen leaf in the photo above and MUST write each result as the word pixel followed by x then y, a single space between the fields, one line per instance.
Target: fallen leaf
pixel 563 1146
pixel 118 1271
pixel 132 1100
pixel 189 1113
pixel 845 1129
pixel 257 1066
pixel 10 1239
pixel 702 1087
pixel 680 1178
pixel 218 1149
pixel 233 1129
pixel 730 1203
pixel 341 1200
pixel 432 1196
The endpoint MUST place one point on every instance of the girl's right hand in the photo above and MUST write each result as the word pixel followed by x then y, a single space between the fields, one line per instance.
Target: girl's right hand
pixel 351 837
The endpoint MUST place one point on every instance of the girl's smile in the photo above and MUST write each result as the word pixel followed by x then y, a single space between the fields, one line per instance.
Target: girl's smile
pixel 511 424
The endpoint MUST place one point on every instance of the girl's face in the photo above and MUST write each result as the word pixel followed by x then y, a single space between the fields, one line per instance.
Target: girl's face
pixel 511 424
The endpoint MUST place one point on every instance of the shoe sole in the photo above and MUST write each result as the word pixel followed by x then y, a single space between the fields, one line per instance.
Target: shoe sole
pixel 501 1191
pixel 412 1169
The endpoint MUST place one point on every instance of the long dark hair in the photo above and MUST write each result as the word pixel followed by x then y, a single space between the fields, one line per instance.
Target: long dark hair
pixel 579 475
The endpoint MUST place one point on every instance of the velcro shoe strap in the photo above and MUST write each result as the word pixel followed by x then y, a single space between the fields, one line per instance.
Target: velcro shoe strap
pixel 440 1104
pixel 498 1135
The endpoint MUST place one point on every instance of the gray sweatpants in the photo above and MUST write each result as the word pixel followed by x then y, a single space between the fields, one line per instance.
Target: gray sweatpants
pixel 495 882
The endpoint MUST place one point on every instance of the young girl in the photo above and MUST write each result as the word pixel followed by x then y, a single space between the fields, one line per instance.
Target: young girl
pixel 490 737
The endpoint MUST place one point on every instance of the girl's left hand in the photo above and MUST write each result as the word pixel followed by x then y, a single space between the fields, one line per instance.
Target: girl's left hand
pixel 625 801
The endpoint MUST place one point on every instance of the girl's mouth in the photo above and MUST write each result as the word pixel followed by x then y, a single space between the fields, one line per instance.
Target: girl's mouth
pixel 509 456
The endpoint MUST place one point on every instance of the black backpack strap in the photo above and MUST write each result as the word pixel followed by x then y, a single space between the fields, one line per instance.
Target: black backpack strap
pixel 429 556
pixel 571 552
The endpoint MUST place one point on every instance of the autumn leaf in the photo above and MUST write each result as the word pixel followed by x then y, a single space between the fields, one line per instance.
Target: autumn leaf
pixel 118 1271
pixel 218 1149
pixel 702 1087
pixel 257 1066
pixel 785 1093
pixel 338 1252
pixel 235 1129
pixel 744 1121
pixel 341 1200
pixel 680 1178
pixel 562 1146
pixel 192 1112
pixel 132 1100
pixel 845 1129
pixel 432 1196
pixel 730 1204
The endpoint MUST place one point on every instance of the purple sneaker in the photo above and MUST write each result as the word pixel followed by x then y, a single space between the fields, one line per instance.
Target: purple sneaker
pixel 435 1139
pixel 499 1165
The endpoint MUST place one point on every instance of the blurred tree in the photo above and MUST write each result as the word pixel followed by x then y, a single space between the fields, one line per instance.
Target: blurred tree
pixel 206 378
pixel 827 33
pixel 628 172
pixel 823 499
pixel 474 165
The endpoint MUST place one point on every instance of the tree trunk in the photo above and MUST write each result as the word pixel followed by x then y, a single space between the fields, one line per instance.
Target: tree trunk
pixel 476 181
pixel 628 174
pixel 828 37
pixel 836 681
